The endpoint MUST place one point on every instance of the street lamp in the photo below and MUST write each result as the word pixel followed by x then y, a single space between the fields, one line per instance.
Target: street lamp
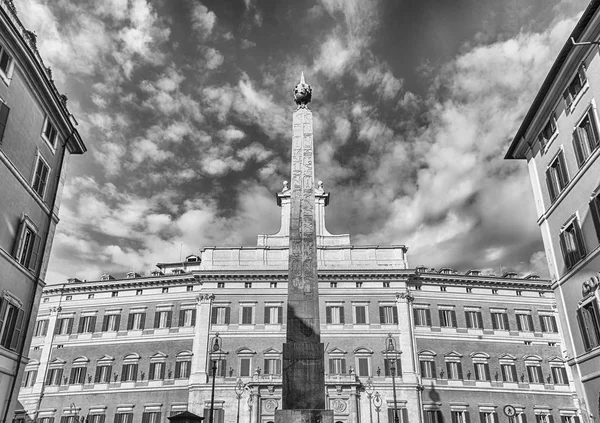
pixel 239 391
pixel 369 388
pixel 378 402
pixel 216 353
pixel 390 353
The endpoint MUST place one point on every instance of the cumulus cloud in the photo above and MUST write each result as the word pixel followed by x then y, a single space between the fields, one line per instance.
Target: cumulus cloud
pixel 203 20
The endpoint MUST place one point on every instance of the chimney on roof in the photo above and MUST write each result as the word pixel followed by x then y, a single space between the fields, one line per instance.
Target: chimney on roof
pixel 106 277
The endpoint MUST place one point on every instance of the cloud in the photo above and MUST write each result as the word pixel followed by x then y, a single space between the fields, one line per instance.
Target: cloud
pixel 203 20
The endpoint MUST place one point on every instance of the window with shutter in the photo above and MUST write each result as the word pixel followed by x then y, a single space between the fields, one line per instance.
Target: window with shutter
pixel 49 132
pixel 572 244
pixel 360 315
pixel 595 212
pixel 244 367
pixel 588 316
pixel 557 177
pixel 11 322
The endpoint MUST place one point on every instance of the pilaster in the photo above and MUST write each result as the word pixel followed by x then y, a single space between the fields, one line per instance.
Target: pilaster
pixel 405 341
pixel 198 376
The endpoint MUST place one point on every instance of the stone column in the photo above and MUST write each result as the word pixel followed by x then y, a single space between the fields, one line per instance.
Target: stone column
pixel 198 375
pixel 353 407
pixel 405 341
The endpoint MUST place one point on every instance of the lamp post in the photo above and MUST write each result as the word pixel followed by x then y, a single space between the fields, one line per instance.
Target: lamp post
pixel 239 391
pixel 378 402
pixel 391 354
pixel 215 354
pixel 369 388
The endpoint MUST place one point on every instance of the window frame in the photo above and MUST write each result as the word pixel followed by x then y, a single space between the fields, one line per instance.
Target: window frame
pixel 7 74
pixel 594 205
pixel 591 333
pixel 40 159
pixel 11 331
pixel 53 140
pixel 27 256
pixel 571 258
pixel 585 142
pixel 557 175
pixel 571 98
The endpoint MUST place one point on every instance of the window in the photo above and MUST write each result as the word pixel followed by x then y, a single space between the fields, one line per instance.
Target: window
pixel 401 412
pixel 388 315
pixel 500 320
pixel 571 243
pixel 273 315
pixel 103 372
pixel 245 366
pixel 548 131
pixel 183 365
pixel 422 316
pixel 96 418
pixel 111 323
pixel 394 364
pixel 221 367
pixel 272 366
pixel 247 284
pixel 482 370
pixel 54 376
pixel 524 322
pixel 124 418
pixel 151 417
pixel 534 373
pixel 11 320
pixel 5 62
pixel 588 317
pixel 187 317
pixel 41 328
pixel 509 372
pixel 544 418
pixel 136 321
pixel 247 315
pixel 165 290
pixel 129 372
pixel 46 419
pixel 77 375
pixel 114 294
pixel 156 371
pixel 337 366
pixel 90 296
pixel 68 298
pixel 220 284
pixel 40 177
pixel 460 416
pixel 64 326
pixel 556 176
pixel 162 319
pixel 359 284
pixel 433 416
pixel 273 285
pixel 454 369
pixel 585 138
pixel 575 86
pixel 189 288
pixel 27 245
pixel 220 315
pixel 49 132
pixel 427 368
pixel 363 366
pixel 447 318
pixel 488 417
pixel 333 284
pixel 360 314
pixel 29 378
pixel 473 319
pixel 334 315
pixel 548 323
pixel 569 419
pixel 559 375
pixel 69 419
pixel 138 292
pixel 87 324
pixel 386 284
pixel 595 211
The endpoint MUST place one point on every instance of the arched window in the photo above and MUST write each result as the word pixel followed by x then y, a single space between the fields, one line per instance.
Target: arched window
pixel 31 371
pixel 183 365
pixel 158 363
pixel 55 372
pixel 129 371
pixel 481 365
pixel 427 364
pixel 104 369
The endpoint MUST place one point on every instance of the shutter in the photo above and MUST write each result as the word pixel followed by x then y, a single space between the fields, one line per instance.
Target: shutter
pixel 267 316
pixel 387 367
pixel 391 414
pixel 48 380
pixel 143 321
pixel 219 416
pixel 156 319
pixel 19 238
pixel 530 321
pixel 130 321
pixel 151 371
pixel 280 315
pixel 134 372
pixel 213 316
pixel 32 264
pixel 395 314
pixel 16 336
pixel 3 304
pixel 542 324
pixel 80 327
pixel 579 238
pixel 227 315
pixel 93 324
pixel 506 325
pixel 118 322
pixel 494 321
pixel 567 97
pixel 523 418
pixel 495 415
pixel 104 323
pixel 162 371
pixel 428 316
pixel 64 419
pixel 124 373
pixel 562 171
pixel 579 154
pixel 194 317
pixel 519 325
pixel 82 375
pixel 278 366
pixel 4 111
pixel 487 371
pixel 482 417
pixel 453 414
pixel 467 417
pixel 245 367
pixel 382 315
pixel 468 321
pixel 72 376
pixel 565 253
pixel 441 315
pixel 343 366
pixel 363 366
pixel 513 369
pixel 453 315
pixel 223 368
pixel 59 376
pixel 181 321
pixel 70 326
pixel 415 317
pixel 146 417
pixel 404 415
pixel 98 373
pixel 595 209
pixel 328 315
pixel 342 319
pixel 178 369
pixel 422 365
pixel 549 182
pixel 460 372
pixel 576 418
pixel 480 320
pixel 331 364
pixel 550 418
pixel 434 373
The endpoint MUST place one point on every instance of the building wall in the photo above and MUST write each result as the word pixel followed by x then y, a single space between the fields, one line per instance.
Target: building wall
pixel 261 396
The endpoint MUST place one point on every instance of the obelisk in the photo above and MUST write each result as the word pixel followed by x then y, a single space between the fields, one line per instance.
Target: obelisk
pixel 303 391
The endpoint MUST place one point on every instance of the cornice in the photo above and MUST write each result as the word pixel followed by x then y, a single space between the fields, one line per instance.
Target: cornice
pixel 119 284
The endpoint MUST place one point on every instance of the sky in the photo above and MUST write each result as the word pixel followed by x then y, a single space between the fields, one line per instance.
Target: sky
pixel 186 109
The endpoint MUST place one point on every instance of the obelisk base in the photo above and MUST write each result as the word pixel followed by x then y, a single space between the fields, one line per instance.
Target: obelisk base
pixel 304 416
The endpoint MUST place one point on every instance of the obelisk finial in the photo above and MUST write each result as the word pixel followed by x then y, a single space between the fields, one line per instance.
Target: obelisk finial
pixel 302 93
